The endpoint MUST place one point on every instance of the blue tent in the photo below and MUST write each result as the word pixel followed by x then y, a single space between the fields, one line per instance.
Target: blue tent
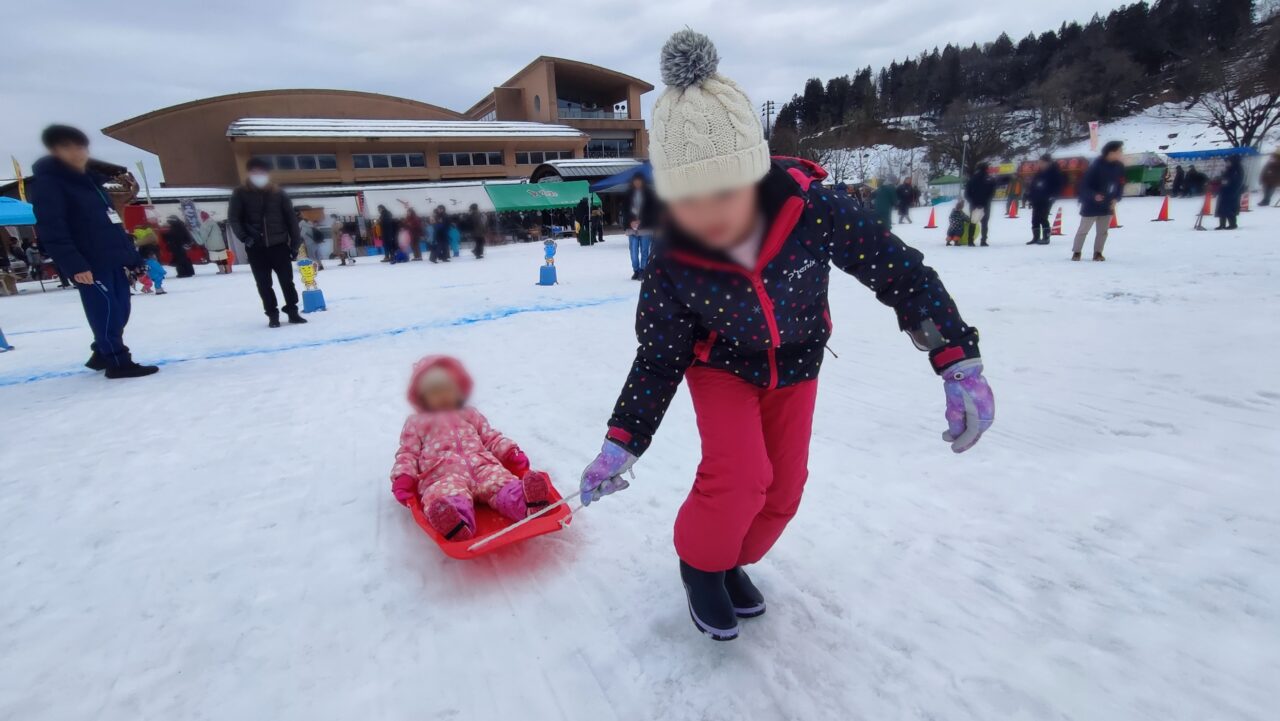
pixel 1193 155
pixel 16 212
pixel 620 180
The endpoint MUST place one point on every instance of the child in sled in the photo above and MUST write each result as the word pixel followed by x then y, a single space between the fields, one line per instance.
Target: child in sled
pixel 958 226
pixel 450 458
pixel 735 301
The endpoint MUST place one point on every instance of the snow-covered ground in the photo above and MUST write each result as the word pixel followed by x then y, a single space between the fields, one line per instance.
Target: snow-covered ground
pixel 219 541
pixel 1165 128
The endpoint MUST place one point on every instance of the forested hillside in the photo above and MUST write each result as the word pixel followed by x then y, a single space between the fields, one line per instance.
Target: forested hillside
pixel 1109 67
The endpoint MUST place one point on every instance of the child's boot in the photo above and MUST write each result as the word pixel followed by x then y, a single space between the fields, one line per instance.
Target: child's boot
pixel 709 604
pixel 453 517
pixel 748 602
pixel 537 490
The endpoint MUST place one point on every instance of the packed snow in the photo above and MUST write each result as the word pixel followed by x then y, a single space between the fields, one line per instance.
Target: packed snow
pixel 219 541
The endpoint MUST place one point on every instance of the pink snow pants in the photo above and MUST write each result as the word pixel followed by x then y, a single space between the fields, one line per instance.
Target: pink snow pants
pixel 755 456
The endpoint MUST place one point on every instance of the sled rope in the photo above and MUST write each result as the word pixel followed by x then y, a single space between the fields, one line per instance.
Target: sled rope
pixel 526 519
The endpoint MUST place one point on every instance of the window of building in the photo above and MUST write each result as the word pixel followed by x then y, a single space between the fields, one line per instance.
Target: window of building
pixel 489 116
pixel 611 148
pixel 492 157
pixel 537 104
pixel 522 158
pixel 537 157
pixel 300 162
pixel 364 161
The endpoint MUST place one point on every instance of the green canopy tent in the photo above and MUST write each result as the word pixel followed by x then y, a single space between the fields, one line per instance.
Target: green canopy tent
pixel 537 197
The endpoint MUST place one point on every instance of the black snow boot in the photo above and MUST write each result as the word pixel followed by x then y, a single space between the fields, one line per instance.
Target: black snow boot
pixel 748 602
pixel 131 370
pixel 95 362
pixel 273 320
pixel 294 317
pixel 709 604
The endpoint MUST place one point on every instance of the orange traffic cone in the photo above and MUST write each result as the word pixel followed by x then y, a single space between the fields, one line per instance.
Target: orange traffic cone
pixel 1057 223
pixel 1013 209
pixel 1244 202
pixel 933 220
pixel 1115 222
pixel 1163 215
pixel 1205 210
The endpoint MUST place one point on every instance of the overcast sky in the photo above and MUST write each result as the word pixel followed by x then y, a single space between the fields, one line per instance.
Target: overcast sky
pixel 96 63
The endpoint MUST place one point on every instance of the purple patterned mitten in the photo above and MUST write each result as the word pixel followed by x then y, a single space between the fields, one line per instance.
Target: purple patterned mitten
pixel 971 408
pixel 604 475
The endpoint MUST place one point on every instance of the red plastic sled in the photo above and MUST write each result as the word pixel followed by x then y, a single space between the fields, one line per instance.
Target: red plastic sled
pixel 488 521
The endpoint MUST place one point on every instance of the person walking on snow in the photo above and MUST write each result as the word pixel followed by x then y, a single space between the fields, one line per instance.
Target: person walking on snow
pixel 1101 188
pixel 178 239
pixel 1179 180
pixel 1270 178
pixel 979 192
pixel 1043 190
pixel 735 300
pixel 84 235
pixel 214 242
pixel 1230 191
pixel 885 198
pixel 262 217
pixel 640 218
pixel 907 197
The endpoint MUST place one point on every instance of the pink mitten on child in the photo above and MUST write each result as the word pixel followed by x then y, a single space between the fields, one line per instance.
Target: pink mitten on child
pixel 516 461
pixel 405 489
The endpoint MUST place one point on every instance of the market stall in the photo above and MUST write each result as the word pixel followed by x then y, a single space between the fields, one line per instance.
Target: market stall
pixel 530 211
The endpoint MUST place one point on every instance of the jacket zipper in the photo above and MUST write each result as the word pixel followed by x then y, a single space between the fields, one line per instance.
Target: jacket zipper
pixel 775 339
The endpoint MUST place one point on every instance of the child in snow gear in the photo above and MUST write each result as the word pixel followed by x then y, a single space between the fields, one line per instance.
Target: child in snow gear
pixel 1101 188
pixel 450 457
pixel 735 300
pixel 156 274
pixel 1230 190
pixel 1044 189
pixel 958 226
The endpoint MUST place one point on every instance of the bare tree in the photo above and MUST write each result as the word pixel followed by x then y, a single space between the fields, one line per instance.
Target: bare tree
pixel 1245 101
pixel 990 131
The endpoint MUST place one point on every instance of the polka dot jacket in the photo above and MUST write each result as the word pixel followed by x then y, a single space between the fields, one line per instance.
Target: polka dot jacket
pixel 769 324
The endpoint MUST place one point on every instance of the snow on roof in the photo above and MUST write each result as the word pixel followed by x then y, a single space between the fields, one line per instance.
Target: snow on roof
pixel 347 127
pixel 162 195
pixel 591 167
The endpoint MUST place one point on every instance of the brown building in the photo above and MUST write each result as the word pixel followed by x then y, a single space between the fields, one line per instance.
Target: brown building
pixel 552 109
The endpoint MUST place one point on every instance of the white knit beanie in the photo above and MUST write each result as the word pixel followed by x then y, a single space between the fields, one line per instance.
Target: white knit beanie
pixel 705 136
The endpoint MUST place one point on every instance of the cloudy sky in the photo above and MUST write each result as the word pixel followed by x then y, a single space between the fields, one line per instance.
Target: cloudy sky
pixel 96 63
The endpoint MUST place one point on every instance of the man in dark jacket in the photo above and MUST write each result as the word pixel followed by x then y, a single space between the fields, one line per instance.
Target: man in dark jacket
pixel 84 235
pixel 1270 177
pixel 261 215
pixel 907 197
pixel 390 228
pixel 1230 190
pixel 1100 189
pixel 1179 182
pixel 978 192
pixel 640 219
pixel 1044 188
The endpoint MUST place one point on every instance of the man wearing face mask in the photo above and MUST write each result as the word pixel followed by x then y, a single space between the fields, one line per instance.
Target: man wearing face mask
pixel 262 216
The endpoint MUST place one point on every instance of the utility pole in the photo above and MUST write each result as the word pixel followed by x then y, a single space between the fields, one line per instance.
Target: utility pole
pixel 766 109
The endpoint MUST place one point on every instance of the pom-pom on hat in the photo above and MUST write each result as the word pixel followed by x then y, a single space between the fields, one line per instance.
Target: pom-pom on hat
pixel 705 137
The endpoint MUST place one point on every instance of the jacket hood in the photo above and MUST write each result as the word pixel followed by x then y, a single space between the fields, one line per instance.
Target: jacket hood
pixel 49 165
pixel 426 363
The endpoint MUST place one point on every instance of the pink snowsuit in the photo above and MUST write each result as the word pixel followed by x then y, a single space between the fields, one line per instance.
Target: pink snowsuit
pixel 457 455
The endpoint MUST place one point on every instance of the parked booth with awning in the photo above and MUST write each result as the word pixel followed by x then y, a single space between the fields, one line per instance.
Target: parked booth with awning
pixel 532 210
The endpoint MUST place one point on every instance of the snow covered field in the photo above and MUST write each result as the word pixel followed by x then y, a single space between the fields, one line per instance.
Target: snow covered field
pixel 219 541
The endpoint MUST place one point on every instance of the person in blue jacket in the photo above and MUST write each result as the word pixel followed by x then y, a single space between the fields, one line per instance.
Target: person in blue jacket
pixel 1230 190
pixel 1100 189
pixel 81 231
pixel 1044 188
